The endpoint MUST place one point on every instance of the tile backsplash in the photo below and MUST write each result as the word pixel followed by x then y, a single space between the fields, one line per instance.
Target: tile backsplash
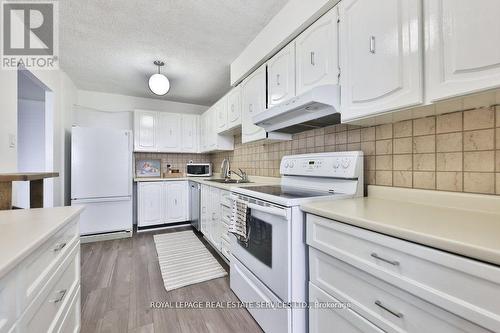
pixel 456 151
pixel 176 161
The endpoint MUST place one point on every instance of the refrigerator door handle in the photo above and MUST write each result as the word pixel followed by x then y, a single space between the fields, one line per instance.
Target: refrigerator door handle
pixel 106 199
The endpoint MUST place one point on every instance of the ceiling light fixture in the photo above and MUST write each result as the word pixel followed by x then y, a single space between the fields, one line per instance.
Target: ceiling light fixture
pixel 159 83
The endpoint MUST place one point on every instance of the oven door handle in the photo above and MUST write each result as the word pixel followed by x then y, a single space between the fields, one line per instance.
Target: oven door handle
pixel 268 210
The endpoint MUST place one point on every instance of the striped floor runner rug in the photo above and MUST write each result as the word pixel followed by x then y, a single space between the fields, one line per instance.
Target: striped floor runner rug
pixel 184 260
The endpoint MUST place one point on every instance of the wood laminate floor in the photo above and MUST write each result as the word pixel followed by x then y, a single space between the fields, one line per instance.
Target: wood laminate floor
pixel 120 279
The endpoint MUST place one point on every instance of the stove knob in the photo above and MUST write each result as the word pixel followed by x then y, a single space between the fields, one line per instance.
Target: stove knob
pixel 292 164
pixel 287 165
pixel 336 164
pixel 345 163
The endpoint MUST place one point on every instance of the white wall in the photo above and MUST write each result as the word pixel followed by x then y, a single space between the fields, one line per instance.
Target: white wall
pixel 292 19
pixel 31 136
pixel 64 96
pixel 30 146
pixel 115 102
pixel 115 111
pixel 8 119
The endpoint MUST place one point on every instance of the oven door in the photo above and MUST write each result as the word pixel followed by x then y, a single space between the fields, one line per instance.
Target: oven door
pixel 267 252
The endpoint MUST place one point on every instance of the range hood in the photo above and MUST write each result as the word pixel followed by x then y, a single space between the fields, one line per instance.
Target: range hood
pixel 318 107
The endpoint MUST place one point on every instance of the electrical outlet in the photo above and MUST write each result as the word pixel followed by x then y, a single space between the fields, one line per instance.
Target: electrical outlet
pixel 12 140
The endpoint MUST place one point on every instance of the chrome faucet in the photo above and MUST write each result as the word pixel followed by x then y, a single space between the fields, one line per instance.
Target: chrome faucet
pixel 243 175
pixel 225 169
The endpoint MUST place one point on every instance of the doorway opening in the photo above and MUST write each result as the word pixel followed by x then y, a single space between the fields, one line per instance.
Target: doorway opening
pixel 35 135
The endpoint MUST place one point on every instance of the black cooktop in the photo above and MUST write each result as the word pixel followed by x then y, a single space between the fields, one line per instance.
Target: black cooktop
pixel 288 192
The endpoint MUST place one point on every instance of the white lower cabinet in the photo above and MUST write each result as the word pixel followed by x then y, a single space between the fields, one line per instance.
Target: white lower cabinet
pixel 215 217
pixel 334 318
pixel 396 285
pixel 176 194
pixel 42 293
pixel 162 202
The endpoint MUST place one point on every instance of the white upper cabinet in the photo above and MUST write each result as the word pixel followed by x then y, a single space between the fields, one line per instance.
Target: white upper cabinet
pixel 145 123
pixel 317 53
pixel 189 126
pixel 253 92
pixel 203 132
pixel 211 140
pixel 462 47
pixel 169 131
pixel 234 108
pixel 166 132
pixel 221 114
pixel 281 76
pixel 176 193
pixel 381 56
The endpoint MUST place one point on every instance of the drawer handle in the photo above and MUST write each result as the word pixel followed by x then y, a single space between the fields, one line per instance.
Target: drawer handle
pixel 61 294
pixel 59 247
pixel 392 262
pixel 394 313
pixel 372 44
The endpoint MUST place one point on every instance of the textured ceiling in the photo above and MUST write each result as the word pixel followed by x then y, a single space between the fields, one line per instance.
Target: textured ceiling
pixel 110 45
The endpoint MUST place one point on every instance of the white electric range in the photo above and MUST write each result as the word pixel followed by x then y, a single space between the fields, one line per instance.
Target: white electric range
pixel 270 269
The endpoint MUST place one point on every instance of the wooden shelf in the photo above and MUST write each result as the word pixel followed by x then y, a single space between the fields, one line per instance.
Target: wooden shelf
pixel 26 176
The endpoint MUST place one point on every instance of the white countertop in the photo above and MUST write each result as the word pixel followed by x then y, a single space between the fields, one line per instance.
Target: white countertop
pixel 254 181
pixel 465 224
pixel 23 230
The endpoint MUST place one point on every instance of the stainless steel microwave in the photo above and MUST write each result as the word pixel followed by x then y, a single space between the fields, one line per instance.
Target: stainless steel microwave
pixel 199 169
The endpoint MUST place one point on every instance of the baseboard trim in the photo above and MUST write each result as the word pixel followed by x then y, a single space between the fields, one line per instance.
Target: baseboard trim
pixel 105 236
pixel 163 227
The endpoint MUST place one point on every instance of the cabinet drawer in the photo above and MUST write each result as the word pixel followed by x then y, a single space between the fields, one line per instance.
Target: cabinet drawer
pixel 43 313
pixel 388 307
pixel 8 304
pixel 343 319
pixel 436 276
pixel 225 248
pixel 71 319
pixel 225 199
pixel 225 237
pixel 226 213
pixel 39 266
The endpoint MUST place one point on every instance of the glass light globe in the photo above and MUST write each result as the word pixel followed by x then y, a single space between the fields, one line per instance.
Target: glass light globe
pixel 159 84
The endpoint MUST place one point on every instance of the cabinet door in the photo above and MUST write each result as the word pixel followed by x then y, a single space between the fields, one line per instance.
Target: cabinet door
pixel 169 131
pixel 176 201
pixel 381 56
pixel 234 108
pixel 204 209
pixel 211 129
pixel 462 47
pixel 203 132
pixel 145 123
pixel 189 135
pixel 317 53
pixel 253 93
pixel 281 76
pixel 150 204
pixel 221 114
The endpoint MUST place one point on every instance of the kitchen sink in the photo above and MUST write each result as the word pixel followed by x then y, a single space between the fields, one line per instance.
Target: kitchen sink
pixel 228 181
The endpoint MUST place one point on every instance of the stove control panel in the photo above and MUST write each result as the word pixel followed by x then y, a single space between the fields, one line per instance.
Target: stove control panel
pixel 338 164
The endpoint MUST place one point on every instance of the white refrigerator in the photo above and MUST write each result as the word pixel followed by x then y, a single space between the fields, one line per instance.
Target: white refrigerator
pixel 101 179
